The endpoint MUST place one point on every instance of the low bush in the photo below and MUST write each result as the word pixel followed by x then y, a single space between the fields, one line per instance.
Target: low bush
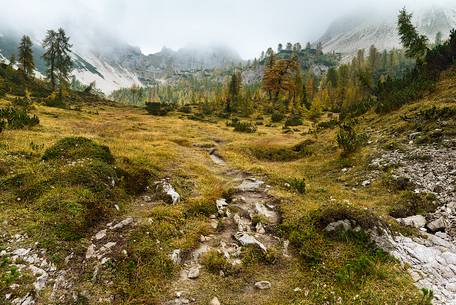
pixel 297 184
pixel 282 154
pixel 277 116
pixel 294 120
pixel 411 203
pixel 75 148
pixel 242 126
pixel 253 255
pixel 16 118
pixel 348 138
pixel 216 262
pixel 158 109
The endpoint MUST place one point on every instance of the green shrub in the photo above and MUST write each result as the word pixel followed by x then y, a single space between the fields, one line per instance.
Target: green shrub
pixel 253 254
pixel 216 262
pixel 242 126
pixel 16 118
pixel 282 154
pixel 186 109
pixel 75 148
pixel 294 120
pixel 348 138
pixel 277 116
pixel 157 109
pixel 328 124
pixel 298 184
pixel 411 203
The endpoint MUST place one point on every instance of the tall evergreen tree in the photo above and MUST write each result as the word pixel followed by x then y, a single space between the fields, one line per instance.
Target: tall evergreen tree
pixel 50 45
pixel 57 56
pixel 26 64
pixel 414 43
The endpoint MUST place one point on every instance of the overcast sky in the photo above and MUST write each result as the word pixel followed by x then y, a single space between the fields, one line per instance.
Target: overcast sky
pixel 248 26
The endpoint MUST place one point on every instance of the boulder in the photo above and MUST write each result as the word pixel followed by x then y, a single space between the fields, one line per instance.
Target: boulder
pixel 436 225
pixel 417 221
pixel 176 256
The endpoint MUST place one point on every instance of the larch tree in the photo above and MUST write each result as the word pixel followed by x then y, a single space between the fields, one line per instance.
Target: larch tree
pixel 26 64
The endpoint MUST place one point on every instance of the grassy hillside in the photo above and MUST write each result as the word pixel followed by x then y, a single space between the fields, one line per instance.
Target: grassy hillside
pixel 56 195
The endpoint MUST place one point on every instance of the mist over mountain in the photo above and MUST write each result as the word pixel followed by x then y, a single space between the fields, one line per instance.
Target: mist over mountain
pixel 362 29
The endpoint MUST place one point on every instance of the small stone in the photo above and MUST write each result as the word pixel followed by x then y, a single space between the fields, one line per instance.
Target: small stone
pixel 194 272
pixel 123 223
pixel 366 183
pixel 262 285
pixel 259 228
pixel 175 256
pixel 100 235
pixel 297 289
pixel 90 251
pixel 344 225
pixel 214 301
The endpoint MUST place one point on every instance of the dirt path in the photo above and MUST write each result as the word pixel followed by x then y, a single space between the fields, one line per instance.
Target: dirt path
pixel 243 219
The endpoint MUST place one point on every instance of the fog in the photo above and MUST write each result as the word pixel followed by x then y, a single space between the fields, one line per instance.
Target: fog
pixel 248 26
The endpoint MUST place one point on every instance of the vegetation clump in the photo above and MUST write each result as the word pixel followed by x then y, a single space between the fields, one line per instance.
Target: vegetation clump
pixel 348 138
pixel 294 120
pixel 240 126
pixel 411 203
pixel 158 109
pixel 75 148
pixel 16 118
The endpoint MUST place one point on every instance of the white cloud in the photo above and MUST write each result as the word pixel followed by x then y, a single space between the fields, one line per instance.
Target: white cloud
pixel 247 25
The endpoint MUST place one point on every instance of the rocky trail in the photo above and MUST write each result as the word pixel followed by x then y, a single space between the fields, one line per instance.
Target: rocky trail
pixel 244 219
pixel 432 255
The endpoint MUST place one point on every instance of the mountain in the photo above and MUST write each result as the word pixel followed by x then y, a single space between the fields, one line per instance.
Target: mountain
pixel 112 64
pixel 360 30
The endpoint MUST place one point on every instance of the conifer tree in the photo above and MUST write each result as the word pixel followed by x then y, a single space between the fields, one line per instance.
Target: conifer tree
pixel 12 60
pixel 414 43
pixel 50 45
pixel 26 64
pixel 57 56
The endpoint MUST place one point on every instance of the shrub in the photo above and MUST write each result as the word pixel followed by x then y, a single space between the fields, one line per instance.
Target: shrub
pixel 216 262
pixel 328 124
pixel 186 109
pixel 282 154
pixel 242 126
pixel 74 148
pixel 253 254
pixel 277 116
pixel 15 118
pixel 157 109
pixel 348 138
pixel 294 120
pixel 411 203
pixel 298 184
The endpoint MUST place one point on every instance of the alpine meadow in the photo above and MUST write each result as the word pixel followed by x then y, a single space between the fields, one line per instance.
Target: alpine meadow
pixel 228 152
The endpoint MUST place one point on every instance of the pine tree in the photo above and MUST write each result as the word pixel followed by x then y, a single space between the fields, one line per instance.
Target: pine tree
pixel 57 56
pixel 12 60
pixel 26 64
pixel 50 45
pixel 438 38
pixel 414 43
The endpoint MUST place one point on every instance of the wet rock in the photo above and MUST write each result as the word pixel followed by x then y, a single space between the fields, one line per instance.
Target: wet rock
pixel 166 192
pixel 262 285
pixel 417 221
pixel 214 301
pixel 245 239
pixel 341 225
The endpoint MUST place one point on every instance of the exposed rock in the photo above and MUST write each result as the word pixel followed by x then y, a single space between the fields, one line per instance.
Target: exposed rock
pixel 100 235
pixel 245 239
pixel 437 225
pixel 176 256
pixel 341 225
pixel 167 192
pixel 417 221
pixel 250 185
pixel 90 251
pixel 262 285
pixel 221 206
pixel 194 272
pixel 123 223
pixel 214 301
pixel 259 228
